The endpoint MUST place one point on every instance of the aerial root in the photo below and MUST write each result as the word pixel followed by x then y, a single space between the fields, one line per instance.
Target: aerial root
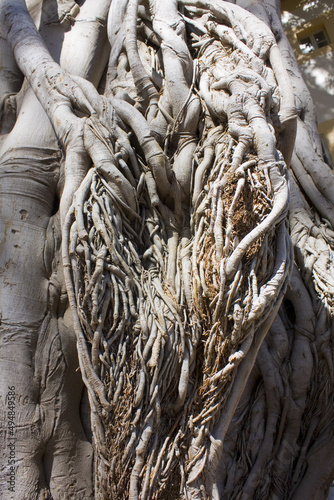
pixel 172 275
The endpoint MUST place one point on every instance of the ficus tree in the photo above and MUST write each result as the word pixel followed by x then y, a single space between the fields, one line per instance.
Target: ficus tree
pixel 166 256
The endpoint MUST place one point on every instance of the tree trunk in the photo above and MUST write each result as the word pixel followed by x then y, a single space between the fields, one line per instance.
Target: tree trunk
pixel 167 233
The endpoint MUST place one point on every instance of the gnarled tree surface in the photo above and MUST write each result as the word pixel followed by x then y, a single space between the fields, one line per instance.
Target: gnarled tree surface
pixel 168 225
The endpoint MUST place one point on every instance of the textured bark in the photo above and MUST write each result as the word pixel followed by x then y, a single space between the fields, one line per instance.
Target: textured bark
pixel 166 255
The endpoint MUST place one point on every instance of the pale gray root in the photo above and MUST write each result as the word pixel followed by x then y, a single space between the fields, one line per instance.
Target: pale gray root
pixel 142 275
pixel 176 247
pixel 38 354
pixel 302 413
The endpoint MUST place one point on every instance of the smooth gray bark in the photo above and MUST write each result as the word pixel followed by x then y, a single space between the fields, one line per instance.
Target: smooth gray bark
pixel 166 255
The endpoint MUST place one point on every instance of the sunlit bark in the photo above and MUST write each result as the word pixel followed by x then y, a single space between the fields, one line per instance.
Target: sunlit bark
pixel 167 226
